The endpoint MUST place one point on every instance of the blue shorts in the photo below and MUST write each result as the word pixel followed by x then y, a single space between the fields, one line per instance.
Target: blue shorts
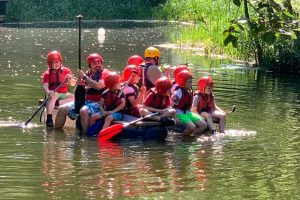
pixel 117 116
pixel 92 108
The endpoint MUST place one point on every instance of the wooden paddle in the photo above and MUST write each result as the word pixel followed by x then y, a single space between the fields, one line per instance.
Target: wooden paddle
pixel 44 102
pixel 79 92
pixel 111 131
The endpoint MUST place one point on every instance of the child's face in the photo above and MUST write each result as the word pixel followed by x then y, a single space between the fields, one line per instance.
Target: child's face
pixel 189 83
pixel 56 64
pixel 208 89
pixel 136 79
pixel 117 87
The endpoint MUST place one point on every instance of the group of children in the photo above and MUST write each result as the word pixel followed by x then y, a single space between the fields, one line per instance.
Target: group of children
pixel 141 90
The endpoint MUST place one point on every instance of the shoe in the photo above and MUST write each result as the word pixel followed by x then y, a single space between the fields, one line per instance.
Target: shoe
pixel 49 122
pixel 167 121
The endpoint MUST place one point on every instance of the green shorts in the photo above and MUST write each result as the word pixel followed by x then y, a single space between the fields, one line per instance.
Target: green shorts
pixel 62 96
pixel 188 117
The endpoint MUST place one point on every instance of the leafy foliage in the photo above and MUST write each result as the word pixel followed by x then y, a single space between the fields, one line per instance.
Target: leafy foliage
pixel 273 29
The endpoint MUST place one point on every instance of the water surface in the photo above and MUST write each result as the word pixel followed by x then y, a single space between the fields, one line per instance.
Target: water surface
pixel 257 159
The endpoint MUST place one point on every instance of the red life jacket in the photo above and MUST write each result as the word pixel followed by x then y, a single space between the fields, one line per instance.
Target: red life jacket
pixel 186 100
pixel 129 109
pixel 56 77
pixel 91 93
pixel 111 99
pixel 159 102
pixel 206 103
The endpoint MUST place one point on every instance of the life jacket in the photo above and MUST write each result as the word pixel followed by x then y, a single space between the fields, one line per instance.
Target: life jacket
pixel 206 103
pixel 56 77
pixel 111 99
pixel 148 83
pixel 159 102
pixel 92 93
pixel 186 100
pixel 129 109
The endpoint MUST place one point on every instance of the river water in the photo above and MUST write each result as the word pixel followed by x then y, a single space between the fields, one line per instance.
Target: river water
pixel 258 158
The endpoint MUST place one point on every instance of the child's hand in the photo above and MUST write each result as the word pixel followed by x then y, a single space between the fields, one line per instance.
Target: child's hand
pixel 80 73
pixel 68 76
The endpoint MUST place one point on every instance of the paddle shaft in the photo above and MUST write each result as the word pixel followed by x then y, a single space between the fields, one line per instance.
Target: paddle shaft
pixel 79 90
pixel 79 17
pixel 44 102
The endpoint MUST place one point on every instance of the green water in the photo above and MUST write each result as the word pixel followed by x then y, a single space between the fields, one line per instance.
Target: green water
pixel 257 159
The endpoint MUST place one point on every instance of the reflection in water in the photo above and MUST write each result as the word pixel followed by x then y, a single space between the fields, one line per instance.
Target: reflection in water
pixel 101 36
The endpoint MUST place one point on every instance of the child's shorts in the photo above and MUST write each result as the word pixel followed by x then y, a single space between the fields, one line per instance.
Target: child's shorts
pixel 188 117
pixel 62 96
pixel 117 116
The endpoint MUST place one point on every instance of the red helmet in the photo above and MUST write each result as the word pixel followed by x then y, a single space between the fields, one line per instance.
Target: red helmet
pixel 111 80
pixel 135 60
pixel 93 57
pixel 203 82
pixel 182 77
pixel 163 85
pixel 179 69
pixel 52 56
pixel 129 70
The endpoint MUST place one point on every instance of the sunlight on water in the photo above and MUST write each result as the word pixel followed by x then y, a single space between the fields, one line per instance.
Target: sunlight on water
pixel 231 134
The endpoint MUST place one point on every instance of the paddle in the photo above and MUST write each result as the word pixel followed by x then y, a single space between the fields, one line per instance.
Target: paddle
pixel 231 109
pixel 111 131
pixel 143 80
pixel 79 92
pixel 44 102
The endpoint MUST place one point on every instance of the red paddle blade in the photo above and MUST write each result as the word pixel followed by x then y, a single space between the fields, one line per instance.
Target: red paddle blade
pixel 109 132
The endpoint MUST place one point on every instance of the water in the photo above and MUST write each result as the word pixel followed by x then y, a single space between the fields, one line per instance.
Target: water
pixel 258 158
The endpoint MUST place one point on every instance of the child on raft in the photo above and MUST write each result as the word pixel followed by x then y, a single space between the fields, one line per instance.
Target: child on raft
pixel 132 94
pixel 204 104
pixel 182 98
pixel 55 74
pixel 112 101
pixel 158 100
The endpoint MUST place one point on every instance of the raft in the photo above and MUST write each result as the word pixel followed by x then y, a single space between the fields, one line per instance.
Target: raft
pixel 143 130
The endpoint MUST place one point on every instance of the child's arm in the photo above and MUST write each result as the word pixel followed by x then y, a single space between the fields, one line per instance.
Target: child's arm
pixel 151 109
pixel 195 105
pixel 119 107
pixel 101 103
pixel 46 88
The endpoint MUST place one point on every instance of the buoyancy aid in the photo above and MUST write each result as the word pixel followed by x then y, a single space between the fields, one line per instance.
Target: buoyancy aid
pixel 129 109
pixel 111 99
pixel 186 100
pixel 148 83
pixel 91 93
pixel 56 77
pixel 206 103
pixel 159 102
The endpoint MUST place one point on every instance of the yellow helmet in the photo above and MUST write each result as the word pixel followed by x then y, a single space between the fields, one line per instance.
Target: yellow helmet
pixel 152 52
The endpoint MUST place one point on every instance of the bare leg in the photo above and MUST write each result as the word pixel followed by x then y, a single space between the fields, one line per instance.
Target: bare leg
pixel 209 121
pixel 94 118
pixel 85 119
pixel 50 104
pixel 190 128
pixel 201 127
pixel 222 119
pixel 61 116
pixel 108 121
